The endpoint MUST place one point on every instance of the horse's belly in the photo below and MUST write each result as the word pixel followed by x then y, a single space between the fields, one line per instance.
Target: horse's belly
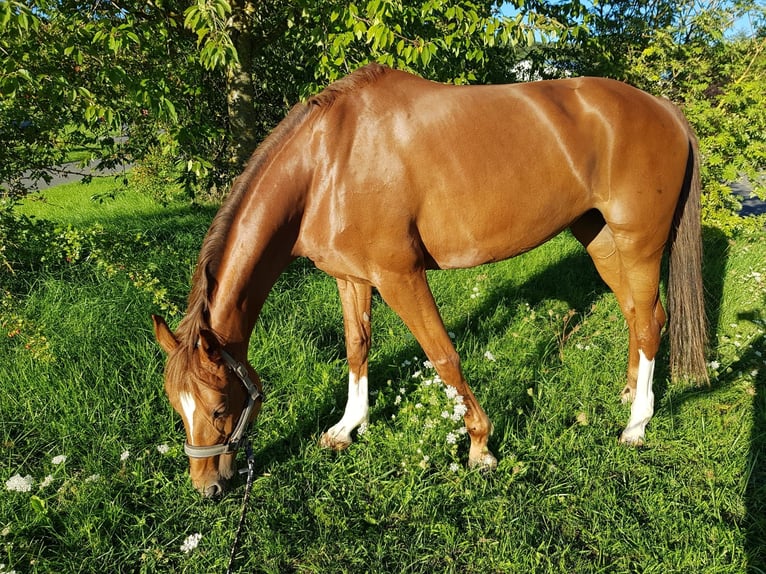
pixel 470 238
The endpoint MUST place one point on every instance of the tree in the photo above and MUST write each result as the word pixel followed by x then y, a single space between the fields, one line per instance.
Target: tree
pixel 202 82
pixel 720 83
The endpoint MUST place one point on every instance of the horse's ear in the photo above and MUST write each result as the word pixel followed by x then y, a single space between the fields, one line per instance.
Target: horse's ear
pixel 209 345
pixel 164 335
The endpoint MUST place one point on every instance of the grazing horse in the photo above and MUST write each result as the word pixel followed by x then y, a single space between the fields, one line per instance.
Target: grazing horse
pixel 384 175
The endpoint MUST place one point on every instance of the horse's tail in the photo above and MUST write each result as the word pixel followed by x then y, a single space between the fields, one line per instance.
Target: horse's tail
pixel 686 302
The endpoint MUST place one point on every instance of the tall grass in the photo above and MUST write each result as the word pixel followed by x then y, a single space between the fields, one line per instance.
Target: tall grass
pixel 542 342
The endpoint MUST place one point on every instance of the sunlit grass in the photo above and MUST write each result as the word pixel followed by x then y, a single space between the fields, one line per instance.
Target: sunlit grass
pixel 543 345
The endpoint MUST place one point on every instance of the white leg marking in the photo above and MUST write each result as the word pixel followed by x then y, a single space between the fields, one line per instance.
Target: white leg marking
pixel 642 409
pixel 189 406
pixel 357 408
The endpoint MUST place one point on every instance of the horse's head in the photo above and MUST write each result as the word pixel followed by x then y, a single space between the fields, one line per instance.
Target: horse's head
pixel 216 396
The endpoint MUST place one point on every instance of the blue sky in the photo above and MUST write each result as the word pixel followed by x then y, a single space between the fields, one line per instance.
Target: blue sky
pixel 741 26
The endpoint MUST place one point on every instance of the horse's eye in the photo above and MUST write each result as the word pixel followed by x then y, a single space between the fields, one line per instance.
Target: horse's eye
pixel 217 414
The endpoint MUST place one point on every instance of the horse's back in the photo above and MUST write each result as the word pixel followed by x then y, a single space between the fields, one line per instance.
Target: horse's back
pixel 471 174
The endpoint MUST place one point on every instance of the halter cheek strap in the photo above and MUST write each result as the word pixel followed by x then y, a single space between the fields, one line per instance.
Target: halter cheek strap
pixel 236 438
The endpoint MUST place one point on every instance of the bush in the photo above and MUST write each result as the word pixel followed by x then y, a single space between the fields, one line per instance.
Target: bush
pixel 718 82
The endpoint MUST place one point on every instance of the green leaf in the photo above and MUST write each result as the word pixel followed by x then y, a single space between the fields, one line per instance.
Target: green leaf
pixel 39 506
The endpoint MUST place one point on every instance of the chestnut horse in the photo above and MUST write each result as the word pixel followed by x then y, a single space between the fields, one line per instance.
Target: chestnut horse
pixel 384 175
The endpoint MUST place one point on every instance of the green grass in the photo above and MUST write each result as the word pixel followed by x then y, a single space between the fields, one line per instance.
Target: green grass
pixel 81 376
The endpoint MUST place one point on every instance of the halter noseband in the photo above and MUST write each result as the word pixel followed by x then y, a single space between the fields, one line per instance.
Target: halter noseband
pixel 236 438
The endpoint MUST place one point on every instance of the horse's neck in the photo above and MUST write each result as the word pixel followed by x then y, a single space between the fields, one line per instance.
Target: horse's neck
pixel 258 248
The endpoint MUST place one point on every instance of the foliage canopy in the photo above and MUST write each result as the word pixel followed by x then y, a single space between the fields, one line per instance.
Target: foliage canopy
pixel 186 89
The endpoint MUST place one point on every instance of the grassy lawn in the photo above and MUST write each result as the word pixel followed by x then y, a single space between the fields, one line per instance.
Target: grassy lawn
pixel 84 423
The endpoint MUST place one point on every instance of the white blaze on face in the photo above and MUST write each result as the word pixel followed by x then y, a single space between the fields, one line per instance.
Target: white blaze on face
pixel 189 406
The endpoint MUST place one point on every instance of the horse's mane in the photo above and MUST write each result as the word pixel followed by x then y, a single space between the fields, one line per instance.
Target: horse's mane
pixel 197 314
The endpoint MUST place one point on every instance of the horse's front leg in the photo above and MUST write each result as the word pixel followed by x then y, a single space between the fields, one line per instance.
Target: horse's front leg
pixel 356 301
pixel 409 295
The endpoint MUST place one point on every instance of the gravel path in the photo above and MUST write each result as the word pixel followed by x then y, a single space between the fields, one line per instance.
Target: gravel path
pixel 73 172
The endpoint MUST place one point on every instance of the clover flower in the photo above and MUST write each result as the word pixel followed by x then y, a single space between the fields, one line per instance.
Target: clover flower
pixel 191 542
pixel 458 412
pixel 18 483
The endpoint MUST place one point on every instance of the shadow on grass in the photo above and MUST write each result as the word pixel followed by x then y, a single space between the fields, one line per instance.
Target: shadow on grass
pixel 572 279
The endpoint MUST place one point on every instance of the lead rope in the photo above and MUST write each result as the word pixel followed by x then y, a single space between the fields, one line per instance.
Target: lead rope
pixel 248 488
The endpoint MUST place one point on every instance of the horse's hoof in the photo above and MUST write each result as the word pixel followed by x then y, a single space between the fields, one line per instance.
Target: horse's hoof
pixel 629 439
pixel 334 442
pixel 627 395
pixel 486 461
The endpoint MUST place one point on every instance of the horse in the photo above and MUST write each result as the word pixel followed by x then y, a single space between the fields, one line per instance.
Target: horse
pixel 384 175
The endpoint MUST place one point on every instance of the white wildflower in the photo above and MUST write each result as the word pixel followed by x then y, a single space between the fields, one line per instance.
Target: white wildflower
pixel 459 412
pixel 445 415
pixel 191 542
pixel 454 467
pixel 428 365
pixel 47 481
pixel 451 392
pixel 59 459
pixel 93 478
pixel 163 448
pixel 451 438
pixel 125 455
pixel 462 430
pixel 419 405
pixel 18 483
pixel 362 429
pixel 489 356
pixel 714 365
pixel 398 399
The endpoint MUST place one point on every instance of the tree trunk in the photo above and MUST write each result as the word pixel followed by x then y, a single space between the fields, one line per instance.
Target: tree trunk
pixel 240 89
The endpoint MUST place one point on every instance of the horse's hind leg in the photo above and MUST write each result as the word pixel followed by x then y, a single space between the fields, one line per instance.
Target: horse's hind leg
pixel 633 276
pixel 356 301
pixel 410 296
